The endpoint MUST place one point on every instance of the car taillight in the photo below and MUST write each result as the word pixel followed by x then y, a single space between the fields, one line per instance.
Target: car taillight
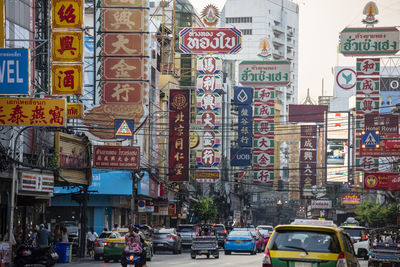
pixel 193 247
pixel 105 244
pixel 341 262
pixel 223 232
pixel 97 244
pixel 267 259
pixel 170 236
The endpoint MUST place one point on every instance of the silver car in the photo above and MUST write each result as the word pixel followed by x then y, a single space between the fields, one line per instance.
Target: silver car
pixel 99 244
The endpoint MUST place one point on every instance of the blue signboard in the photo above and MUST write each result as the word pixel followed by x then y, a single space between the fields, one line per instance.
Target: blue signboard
pixel 370 140
pixel 123 129
pixel 245 129
pixel 14 71
pixel 243 95
pixel 241 156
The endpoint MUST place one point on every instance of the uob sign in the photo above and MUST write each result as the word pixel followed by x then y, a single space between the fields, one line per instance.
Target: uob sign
pixel 241 157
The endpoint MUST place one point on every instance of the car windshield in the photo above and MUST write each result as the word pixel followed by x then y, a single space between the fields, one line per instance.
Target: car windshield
pixel 239 233
pixel 264 232
pixel 123 233
pixel 104 235
pixel 269 228
pixel 353 232
pixel 164 231
pixel 314 241
pixel 185 229
pixel 219 228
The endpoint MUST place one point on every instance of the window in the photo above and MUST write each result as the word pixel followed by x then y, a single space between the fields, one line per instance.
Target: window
pixel 239 20
pixel 152 4
pixel 247 31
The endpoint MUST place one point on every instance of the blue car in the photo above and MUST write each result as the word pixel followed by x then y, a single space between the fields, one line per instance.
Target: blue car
pixel 240 241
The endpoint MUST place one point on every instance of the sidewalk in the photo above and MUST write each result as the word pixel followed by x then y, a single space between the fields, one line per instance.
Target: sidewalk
pixel 76 260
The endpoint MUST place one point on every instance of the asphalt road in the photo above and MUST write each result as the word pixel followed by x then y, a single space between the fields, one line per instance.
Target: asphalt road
pixel 168 259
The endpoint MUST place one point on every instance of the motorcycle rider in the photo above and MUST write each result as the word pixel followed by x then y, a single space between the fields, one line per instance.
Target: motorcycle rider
pixel 134 244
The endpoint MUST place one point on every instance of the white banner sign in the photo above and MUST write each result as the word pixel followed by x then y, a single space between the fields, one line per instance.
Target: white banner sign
pixel 321 204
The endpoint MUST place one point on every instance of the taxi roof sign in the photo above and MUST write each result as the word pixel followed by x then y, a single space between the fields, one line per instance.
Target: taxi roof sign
pixel 313 222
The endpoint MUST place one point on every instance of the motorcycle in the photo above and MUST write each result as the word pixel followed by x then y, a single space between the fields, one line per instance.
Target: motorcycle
pixel 131 260
pixel 27 254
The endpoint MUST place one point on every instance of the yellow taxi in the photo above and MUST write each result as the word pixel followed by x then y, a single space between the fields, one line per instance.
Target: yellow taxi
pixel 114 245
pixel 309 243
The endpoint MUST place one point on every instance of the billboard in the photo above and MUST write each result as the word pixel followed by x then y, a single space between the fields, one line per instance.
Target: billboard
pixel 116 157
pixel 272 73
pixel 307 113
pixel 210 40
pixel 351 199
pixel 66 79
pixel 382 181
pixel 241 156
pixel 124 20
pixel 14 69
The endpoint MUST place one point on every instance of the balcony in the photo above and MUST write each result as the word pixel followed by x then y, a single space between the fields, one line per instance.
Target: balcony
pixel 277 41
pixel 277 28
pixel 290 32
pixel 277 52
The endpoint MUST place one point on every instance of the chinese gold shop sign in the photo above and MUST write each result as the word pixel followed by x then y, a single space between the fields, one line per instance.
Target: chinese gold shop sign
pixel 179 136
pixel 32 112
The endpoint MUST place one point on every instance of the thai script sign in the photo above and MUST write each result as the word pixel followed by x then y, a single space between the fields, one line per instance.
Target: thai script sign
pixel 210 40
pixel 122 3
pixel 116 157
pixel 32 112
pixel 124 20
pixel 209 64
pixel 67 46
pixel 264 73
pixel 179 119
pixel 74 111
pixel 124 44
pixel 369 41
pixel 321 204
pixel 382 181
pixel 66 79
pixel 14 69
pixel 67 13
pixel 351 199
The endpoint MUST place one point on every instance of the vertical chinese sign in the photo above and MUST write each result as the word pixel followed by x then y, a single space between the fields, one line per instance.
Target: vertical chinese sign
pixel 209 103
pixel 179 119
pixel 67 47
pixel 122 49
pixel 308 159
pixel 263 135
pixel 367 102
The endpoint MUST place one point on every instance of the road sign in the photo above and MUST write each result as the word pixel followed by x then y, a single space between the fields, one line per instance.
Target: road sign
pixel 370 140
pixel 124 129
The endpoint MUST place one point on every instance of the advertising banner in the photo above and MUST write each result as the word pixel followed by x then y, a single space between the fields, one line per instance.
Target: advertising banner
pixel 74 111
pixel 389 100
pixel 265 176
pixel 368 67
pixel 241 156
pixel 179 119
pixel 264 94
pixel 124 20
pixel 209 101
pixel 368 86
pixel 38 182
pixel 210 40
pixel 207 176
pixel 67 46
pixel 308 143
pixel 208 157
pixel 384 123
pixel 263 159
pixel 209 119
pixel 125 44
pixel 263 126
pixel 382 181
pixel 308 130
pixel 351 199
pixel 209 64
pixel 273 73
pixel 307 113
pixel 67 14
pixel 243 95
pixel 390 83
pixel 32 112
pixel 67 79
pixel 369 41
pixel 14 69
pixel 116 157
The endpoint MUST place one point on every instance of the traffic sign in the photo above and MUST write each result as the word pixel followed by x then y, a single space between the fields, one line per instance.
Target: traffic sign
pixel 124 129
pixel 370 139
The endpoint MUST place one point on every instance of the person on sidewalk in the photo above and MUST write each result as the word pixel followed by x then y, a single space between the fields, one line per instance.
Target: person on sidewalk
pixel 91 237
pixel 64 234
pixel 43 237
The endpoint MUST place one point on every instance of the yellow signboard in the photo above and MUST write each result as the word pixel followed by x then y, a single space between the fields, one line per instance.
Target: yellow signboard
pixel 74 111
pixel 32 112
pixel 67 46
pixel 67 13
pixel 66 79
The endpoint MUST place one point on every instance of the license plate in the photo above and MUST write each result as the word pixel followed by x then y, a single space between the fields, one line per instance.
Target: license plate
pixel 130 265
pixel 204 251
pixel 160 245
pixel 119 245
pixel 302 264
pixel 239 241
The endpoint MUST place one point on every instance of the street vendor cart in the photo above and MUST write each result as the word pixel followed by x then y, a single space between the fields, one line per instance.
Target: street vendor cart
pixel 384 244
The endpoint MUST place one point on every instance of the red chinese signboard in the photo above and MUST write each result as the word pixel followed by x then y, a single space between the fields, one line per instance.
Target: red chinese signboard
pixel 382 181
pixel 124 68
pixel 210 40
pixel 116 157
pixel 32 112
pixel 179 119
pixel 123 92
pixel 124 44
pixel 124 20
pixel 67 13
pixel 209 64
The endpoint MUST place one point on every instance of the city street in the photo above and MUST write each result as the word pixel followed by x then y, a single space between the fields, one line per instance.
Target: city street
pixel 168 259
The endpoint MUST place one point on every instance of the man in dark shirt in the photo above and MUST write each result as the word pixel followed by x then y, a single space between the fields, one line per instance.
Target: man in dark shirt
pixel 43 236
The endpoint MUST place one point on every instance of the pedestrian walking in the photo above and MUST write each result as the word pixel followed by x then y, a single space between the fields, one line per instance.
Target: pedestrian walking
pixel 57 234
pixel 91 237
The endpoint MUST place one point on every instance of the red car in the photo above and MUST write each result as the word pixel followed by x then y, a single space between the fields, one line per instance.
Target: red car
pixel 260 243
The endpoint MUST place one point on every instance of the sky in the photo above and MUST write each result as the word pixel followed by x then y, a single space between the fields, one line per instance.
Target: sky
pixel 320 23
